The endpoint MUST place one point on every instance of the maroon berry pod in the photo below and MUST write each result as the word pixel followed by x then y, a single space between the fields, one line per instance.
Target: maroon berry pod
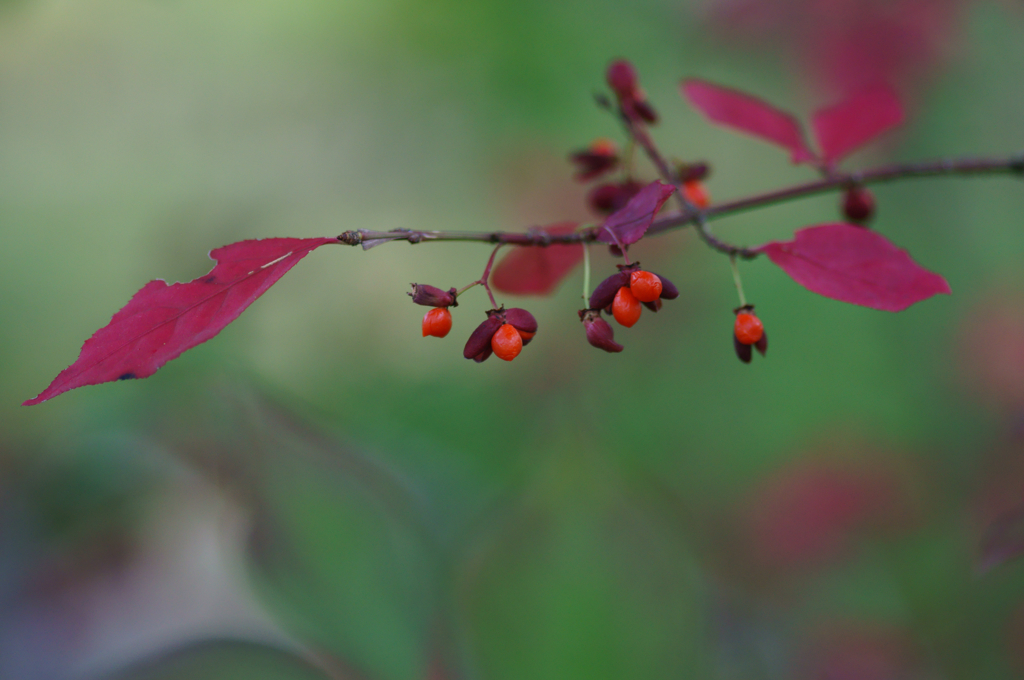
pixel 668 289
pixel 645 111
pixel 604 294
pixel 607 198
pixel 480 340
pixel 858 205
pixel 621 78
pixel 653 306
pixel 599 332
pixel 590 165
pixel 430 296
pixel 762 344
pixel 693 172
pixel 484 356
pixel 521 320
pixel 744 352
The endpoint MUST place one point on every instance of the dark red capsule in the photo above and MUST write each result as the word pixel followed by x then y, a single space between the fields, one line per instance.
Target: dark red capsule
pixel 608 198
pixel 693 172
pixel 480 339
pixel 599 332
pixel 604 295
pixel 668 289
pixel 762 344
pixel 431 296
pixel 645 111
pixel 521 320
pixel 858 205
pixel 653 306
pixel 744 352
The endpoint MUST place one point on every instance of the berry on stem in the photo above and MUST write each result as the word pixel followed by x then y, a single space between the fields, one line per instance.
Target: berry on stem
pixel 695 193
pixel 437 322
pixel 599 332
pixel 495 335
pixel 748 334
pixel 507 343
pixel 748 328
pixel 645 286
pixel 858 205
pixel 626 308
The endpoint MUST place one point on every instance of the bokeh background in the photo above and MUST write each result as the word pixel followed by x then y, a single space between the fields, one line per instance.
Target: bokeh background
pixel 320 492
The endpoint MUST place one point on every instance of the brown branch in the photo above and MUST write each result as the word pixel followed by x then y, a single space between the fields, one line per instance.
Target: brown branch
pixel 1013 165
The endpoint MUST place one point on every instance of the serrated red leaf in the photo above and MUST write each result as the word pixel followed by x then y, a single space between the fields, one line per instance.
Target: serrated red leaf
pixel 855 265
pixel 748 114
pixel 850 124
pixel 160 321
pixel 532 270
pixel 631 222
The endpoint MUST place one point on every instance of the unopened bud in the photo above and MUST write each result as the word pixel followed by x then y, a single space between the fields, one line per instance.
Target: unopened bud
pixel 621 78
pixel 431 296
pixel 599 332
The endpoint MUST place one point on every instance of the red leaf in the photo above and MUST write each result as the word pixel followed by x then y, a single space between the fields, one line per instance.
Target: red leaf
pixel 854 265
pixel 160 321
pixel 532 270
pixel 748 114
pixel 631 222
pixel 850 124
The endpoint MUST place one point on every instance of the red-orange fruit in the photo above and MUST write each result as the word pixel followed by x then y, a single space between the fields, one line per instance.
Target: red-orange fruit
pixel 506 342
pixel 748 329
pixel 526 336
pixel 696 193
pixel 437 322
pixel 645 286
pixel 626 308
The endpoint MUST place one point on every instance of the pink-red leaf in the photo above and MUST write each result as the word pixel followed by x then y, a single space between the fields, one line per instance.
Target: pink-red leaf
pixel 160 321
pixel 631 222
pixel 748 114
pixel 850 124
pixel 854 265
pixel 532 270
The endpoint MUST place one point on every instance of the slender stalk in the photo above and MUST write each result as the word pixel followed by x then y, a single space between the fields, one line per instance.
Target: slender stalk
pixel 1013 165
pixel 586 275
pixel 737 281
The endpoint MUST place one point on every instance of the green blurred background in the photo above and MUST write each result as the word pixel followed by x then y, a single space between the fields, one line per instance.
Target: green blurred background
pixel 320 492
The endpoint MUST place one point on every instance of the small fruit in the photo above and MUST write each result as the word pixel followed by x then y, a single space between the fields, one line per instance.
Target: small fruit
pixel 748 334
pixel 506 342
pixel 599 333
pixel 626 308
pixel 748 328
pixel 696 193
pixel 645 286
pixel 858 205
pixel 437 322
pixel 621 78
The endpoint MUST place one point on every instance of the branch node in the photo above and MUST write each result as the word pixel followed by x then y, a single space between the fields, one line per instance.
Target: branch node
pixel 351 238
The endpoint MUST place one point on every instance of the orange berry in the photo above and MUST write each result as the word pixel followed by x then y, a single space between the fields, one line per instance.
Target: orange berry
pixel 437 322
pixel 696 193
pixel 645 286
pixel 626 308
pixel 526 336
pixel 506 342
pixel 748 329
pixel 603 147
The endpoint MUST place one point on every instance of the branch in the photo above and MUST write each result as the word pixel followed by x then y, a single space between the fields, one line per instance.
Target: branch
pixel 1013 165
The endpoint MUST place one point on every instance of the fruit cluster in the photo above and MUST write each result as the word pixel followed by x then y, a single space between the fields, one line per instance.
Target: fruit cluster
pixel 602 155
pixel 504 333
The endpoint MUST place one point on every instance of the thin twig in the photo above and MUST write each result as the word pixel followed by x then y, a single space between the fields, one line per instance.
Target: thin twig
pixel 1013 165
